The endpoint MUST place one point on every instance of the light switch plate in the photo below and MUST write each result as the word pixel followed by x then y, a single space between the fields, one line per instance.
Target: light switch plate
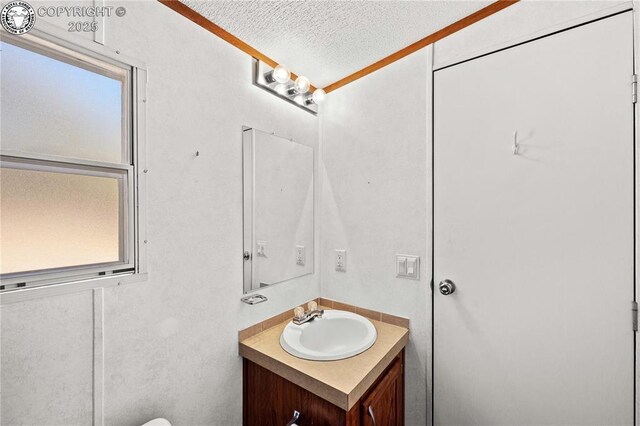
pixel 341 260
pixel 261 248
pixel 300 255
pixel 408 266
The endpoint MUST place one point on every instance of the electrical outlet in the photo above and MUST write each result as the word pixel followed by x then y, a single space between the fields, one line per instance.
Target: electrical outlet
pixel 300 255
pixel 341 260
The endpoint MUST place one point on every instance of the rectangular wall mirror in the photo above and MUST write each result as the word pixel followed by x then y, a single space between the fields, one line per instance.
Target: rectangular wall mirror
pixel 278 209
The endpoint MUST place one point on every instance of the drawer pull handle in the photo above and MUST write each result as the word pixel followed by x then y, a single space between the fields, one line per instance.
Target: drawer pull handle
pixel 295 417
pixel 373 417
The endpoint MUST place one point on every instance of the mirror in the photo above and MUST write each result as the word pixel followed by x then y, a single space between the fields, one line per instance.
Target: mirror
pixel 278 209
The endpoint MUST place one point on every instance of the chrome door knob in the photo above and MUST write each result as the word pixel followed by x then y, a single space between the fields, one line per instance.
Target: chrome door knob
pixel 447 287
pixel 246 255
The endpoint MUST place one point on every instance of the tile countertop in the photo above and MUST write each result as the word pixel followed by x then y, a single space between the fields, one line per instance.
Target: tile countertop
pixel 341 382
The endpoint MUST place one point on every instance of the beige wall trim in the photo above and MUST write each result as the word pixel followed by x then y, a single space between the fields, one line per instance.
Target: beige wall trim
pixel 368 313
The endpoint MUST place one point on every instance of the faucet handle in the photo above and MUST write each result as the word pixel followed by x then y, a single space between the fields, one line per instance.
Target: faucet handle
pixel 312 306
pixel 298 312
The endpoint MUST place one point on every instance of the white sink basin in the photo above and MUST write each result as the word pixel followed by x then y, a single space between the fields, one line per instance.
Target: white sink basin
pixel 337 335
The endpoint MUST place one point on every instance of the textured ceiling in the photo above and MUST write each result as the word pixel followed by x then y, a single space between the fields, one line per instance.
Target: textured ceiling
pixel 328 40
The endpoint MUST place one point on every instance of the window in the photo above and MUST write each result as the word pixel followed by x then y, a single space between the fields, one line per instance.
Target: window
pixel 67 165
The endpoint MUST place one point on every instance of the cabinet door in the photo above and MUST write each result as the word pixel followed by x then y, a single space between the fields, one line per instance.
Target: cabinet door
pixel 384 404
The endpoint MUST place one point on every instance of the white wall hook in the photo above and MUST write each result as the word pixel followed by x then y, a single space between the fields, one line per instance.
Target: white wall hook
pixel 516 145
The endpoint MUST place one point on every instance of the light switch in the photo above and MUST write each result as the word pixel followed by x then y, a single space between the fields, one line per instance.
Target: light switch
pixel 408 266
pixel 411 267
pixel 401 266
pixel 261 248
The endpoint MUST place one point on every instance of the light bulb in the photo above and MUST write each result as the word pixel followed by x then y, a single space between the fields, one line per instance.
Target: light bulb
pixel 299 100
pixel 302 84
pixel 281 74
pixel 281 89
pixel 318 96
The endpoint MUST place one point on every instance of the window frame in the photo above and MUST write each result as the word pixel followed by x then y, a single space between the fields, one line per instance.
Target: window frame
pixel 44 163
pixel 91 56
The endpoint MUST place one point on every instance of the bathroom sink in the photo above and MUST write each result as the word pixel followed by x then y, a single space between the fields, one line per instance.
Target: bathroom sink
pixel 337 335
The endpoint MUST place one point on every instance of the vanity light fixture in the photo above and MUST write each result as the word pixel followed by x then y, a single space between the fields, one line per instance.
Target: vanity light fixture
pixel 281 73
pixel 277 81
pixel 318 96
pixel 302 84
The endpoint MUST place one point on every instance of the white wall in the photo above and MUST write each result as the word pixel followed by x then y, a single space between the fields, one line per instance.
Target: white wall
pixel 170 344
pixel 376 185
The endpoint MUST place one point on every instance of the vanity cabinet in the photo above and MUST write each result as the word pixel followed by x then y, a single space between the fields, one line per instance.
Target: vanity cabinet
pixel 270 400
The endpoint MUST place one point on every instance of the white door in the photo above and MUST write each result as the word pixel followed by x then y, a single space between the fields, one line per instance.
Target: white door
pixel 538 244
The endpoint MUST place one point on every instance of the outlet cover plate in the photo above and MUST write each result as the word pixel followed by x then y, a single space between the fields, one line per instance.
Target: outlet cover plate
pixel 341 260
pixel 300 255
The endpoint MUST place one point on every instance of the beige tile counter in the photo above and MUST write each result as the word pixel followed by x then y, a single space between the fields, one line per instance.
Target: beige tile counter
pixel 340 382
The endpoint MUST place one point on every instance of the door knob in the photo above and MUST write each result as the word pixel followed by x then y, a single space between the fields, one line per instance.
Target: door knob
pixel 246 255
pixel 447 287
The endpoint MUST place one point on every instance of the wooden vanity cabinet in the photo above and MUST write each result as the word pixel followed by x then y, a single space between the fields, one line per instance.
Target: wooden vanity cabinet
pixel 270 400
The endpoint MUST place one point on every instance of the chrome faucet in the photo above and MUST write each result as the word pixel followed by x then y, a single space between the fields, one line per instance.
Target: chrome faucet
pixel 302 317
pixel 308 316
